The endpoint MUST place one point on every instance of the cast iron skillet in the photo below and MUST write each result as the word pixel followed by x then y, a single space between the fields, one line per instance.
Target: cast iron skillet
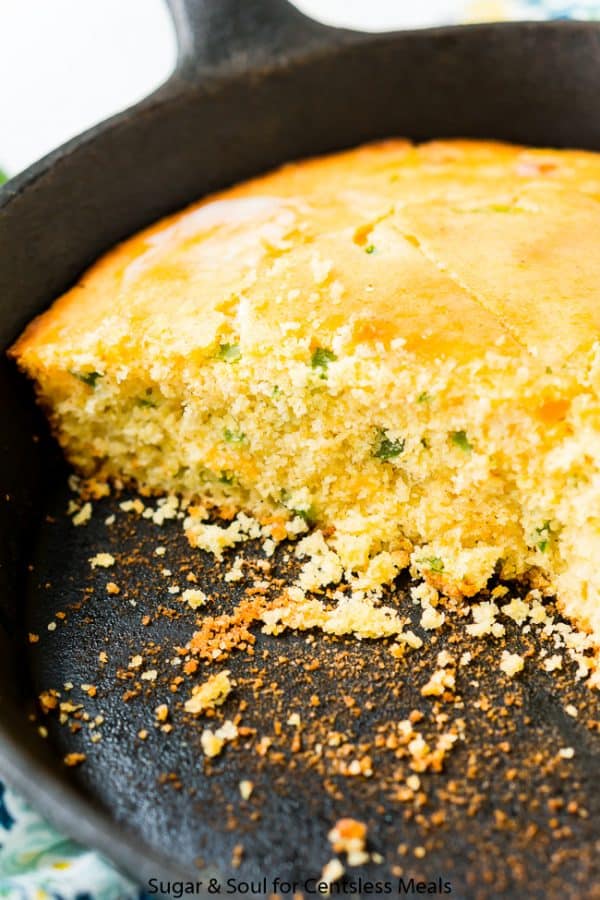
pixel 256 84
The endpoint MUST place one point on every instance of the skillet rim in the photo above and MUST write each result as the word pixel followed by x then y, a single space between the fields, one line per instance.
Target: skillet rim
pixel 180 83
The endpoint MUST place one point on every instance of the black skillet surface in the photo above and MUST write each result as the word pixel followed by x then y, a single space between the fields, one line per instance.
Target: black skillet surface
pixel 501 788
pixel 258 84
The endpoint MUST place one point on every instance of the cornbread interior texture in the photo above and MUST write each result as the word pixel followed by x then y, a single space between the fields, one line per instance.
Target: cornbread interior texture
pixel 397 343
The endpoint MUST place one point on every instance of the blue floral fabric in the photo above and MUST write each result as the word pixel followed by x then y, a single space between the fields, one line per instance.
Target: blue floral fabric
pixel 36 862
pixel 557 9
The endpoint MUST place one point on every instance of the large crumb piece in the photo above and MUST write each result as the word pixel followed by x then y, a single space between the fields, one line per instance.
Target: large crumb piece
pixel 355 614
pixel 511 663
pixel 74 759
pixel 484 620
pixel 332 872
pixel 83 515
pixel 48 700
pixel 441 681
pixel 213 742
pixel 246 788
pixel 349 836
pixel 209 695
pixel 194 598
pixel 102 560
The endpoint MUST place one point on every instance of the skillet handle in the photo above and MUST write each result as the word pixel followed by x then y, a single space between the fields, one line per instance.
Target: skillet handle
pixel 238 35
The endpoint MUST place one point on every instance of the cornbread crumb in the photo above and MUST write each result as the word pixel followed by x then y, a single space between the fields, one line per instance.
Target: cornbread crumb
pixel 166 508
pixel 444 659
pixel 74 759
pixel 235 573
pixel 135 505
pixel 440 681
pixel 431 619
pixel 566 752
pixel 354 614
pixel 349 836
pixel 484 620
pixel 216 539
pixel 269 547
pixel 209 695
pixel 332 872
pixel 237 855
pixel 211 744
pixel 194 598
pixel 83 516
pixel 246 789
pixel 517 610
pixel 214 742
pixel 149 675
pixel 48 700
pixel 511 663
pixel 104 560
pixel 324 567
pixel 162 712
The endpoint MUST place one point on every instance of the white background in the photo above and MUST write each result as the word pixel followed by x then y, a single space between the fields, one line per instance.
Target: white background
pixel 67 64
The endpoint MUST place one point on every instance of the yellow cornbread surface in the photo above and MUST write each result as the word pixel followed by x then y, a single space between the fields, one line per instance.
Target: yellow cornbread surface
pixel 397 343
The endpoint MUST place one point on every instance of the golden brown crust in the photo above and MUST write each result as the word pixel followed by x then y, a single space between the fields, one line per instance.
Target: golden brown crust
pixel 532 214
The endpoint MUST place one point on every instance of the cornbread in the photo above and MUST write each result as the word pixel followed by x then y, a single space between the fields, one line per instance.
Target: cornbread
pixel 397 345
pixel 212 693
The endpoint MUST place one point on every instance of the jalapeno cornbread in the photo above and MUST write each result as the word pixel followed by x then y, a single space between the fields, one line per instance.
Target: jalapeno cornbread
pixel 397 344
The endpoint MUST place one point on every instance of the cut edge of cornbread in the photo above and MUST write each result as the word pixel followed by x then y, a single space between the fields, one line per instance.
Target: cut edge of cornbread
pixel 367 344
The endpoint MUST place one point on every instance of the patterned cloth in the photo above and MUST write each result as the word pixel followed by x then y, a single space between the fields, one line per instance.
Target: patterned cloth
pixel 37 863
pixel 486 10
